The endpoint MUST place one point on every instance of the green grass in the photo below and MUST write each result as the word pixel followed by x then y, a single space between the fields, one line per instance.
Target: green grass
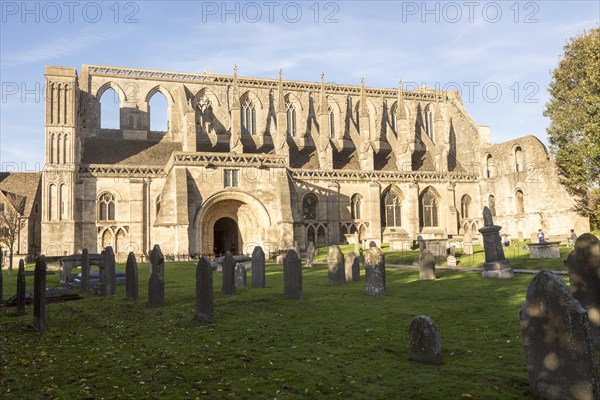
pixel 336 343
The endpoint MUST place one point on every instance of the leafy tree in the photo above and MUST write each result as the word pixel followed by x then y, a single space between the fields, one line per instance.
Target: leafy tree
pixel 574 112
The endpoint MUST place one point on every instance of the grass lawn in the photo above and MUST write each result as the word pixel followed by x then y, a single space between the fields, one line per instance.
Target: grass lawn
pixel 336 343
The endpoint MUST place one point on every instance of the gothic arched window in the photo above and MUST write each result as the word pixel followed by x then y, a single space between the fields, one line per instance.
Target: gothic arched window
pixel 520 202
pixel 391 209
pixel 331 122
pixel 465 205
pixel 519 159
pixel 291 118
pixel 429 209
pixel 106 207
pixel 248 118
pixel 309 207
pixel 429 123
pixel 355 211
pixel 393 118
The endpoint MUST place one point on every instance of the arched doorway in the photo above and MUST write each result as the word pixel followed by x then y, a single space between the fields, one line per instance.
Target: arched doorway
pixel 226 236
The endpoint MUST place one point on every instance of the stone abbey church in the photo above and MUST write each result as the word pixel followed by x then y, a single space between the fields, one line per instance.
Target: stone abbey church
pixel 270 162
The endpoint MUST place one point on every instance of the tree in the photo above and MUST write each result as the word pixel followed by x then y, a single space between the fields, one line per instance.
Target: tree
pixel 574 112
pixel 11 224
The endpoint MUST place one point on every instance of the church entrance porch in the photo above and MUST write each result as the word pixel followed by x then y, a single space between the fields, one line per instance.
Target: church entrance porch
pixel 226 236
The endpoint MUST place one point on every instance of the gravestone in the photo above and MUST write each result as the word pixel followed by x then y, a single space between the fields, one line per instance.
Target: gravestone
pixel 39 295
pixel 375 271
pixel 561 361
pixel 496 266
pixel 584 278
pixel 85 269
pixel 297 248
pixel 258 268
pixel 426 265
pixel 131 278
pixel 424 341
pixel 204 291
pixel 310 255
pixel 109 277
pixel 240 275
pixel 292 276
pixel 451 260
pixel 335 266
pixel 356 239
pixel 1 277
pixel 228 264
pixel 156 283
pixel 468 244
pixel 352 268
pixel 21 288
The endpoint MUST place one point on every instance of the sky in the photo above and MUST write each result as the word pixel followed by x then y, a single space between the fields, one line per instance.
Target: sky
pixel 499 54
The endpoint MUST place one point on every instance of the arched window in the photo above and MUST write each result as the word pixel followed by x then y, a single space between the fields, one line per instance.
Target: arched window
pixel 106 207
pixel 158 199
pixel 110 110
pixel 393 118
pixel 310 235
pixel 492 204
pixel 248 118
pixel 519 164
pixel 391 209
pixel 356 202
pixel 206 115
pixel 62 199
pixel 488 166
pixel 158 109
pixel 520 202
pixel 331 122
pixel 465 205
pixel 309 207
pixel 429 209
pixel 51 203
pixel 429 123
pixel 291 118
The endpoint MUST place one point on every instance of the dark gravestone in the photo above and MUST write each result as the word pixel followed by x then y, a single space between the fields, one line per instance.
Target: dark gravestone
pixel 39 295
pixel 1 278
pixel 584 277
pixel 424 341
pixel 335 266
pixel 204 291
pixel 156 283
pixel 375 271
pixel 426 265
pixel 228 287
pixel 352 268
pixel 131 278
pixel 240 275
pixel 560 356
pixel 496 266
pixel 292 276
pixel 109 276
pixel 85 269
pixel 310 254
pixel 258 268
pixel 21 288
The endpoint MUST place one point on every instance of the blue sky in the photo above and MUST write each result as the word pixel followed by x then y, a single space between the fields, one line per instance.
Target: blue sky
pixel 499 54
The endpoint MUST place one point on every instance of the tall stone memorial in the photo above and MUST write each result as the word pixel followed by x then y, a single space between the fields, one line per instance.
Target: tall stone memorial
pixel 584 278
pixel 426 265
pixel 109 276
pixel 156 283
pixel 496 266
pixel 131 278
pixel 228 264
pixel 352 267
pixel 39 295
pixel 375 271
pixel 21 288
pixel 240 275
pixel 258 268
pixel 85 269
pixel 292 276
pixel 310 254
pixel 204 291
pixel 560 356
pixel 335 266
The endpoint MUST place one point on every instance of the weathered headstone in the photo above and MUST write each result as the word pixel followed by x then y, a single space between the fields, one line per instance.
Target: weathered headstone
pixel 356 244
pixel 426 265
pixel 375 271
pixel 204 291
pixel 228 264
pixel 156 283
pixel 109 276
pixel 131 278
pixel 85 269
pixel 451 260
pixel 352 268
pixel 240 275
pixel 310 255
pixel 292 276
pixel 560 356
pixel 39 295
pixel 496 266
pixel 258 267
pixel 21 288
pixel 335 266
pixel 584 277
pixel 468 244
pixel 424 341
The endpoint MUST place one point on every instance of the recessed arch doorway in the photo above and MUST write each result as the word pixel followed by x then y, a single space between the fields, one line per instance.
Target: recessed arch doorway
pixel 226 236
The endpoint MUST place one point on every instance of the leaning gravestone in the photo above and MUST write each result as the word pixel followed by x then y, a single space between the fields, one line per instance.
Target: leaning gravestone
pixel 204 291
pixel 109 276
pixel 375 271
pixel 560 356
pixel 335 266
pixel 21 288
pixel 292 276
pixel 228 264
pixel 496 266
pixel 39 295
pixel 424 341
pixel 240 275
pixel 156 283
pixel 258 267
pixel 131 278
pixel 584 277
pixel 426 265
pixel 85 269
pixel 310 254
pixel 352 268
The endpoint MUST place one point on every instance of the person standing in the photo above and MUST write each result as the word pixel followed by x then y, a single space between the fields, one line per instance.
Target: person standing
pixel 541 236
pixel 572 238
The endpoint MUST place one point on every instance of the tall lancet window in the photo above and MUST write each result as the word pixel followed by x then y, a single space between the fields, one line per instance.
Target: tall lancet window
pixel 331 122
pixel 429 123
pixel 291 118
pixel 393 118
pixel 248 118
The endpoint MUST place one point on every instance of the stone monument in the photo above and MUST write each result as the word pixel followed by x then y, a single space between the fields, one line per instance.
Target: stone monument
pixel 228 264
pixel 426 265
pixel 335 266
pixel 292 276
pixel 375 271
pixel 424 341
pixel 496 266
pixel 204 291
pixel 131 278
pixel 21 288
pixel 258 267
pixel 39 295
pixel 156 283
pixel 310 254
